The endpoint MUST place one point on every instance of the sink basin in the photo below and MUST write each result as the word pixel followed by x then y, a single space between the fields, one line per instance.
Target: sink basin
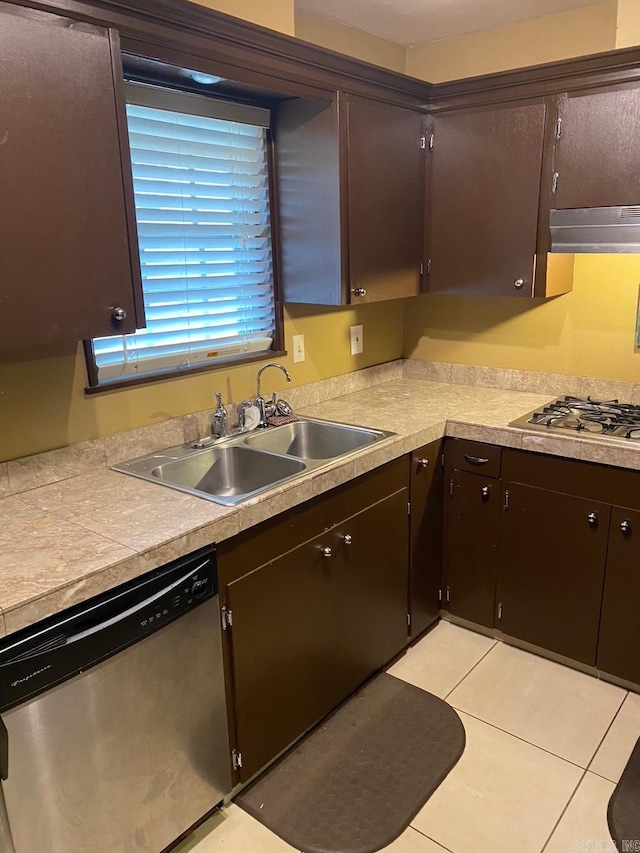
pixel 314 439
pixel 227 474
pixel 239 467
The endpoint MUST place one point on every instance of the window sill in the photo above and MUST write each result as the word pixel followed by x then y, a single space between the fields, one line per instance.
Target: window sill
pixel 118 384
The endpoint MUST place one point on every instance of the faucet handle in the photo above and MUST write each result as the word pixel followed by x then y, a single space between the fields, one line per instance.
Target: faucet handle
pixel 271 407
pixel 242 413
pixel 220 418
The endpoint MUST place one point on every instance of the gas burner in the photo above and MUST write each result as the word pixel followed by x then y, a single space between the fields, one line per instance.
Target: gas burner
pixel 594 418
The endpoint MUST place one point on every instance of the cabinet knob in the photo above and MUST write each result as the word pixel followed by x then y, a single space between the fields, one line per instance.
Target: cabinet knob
pixel 423 463
pixel 359 291
pixel 485 491
pixel 592 518
pixel 347 539
pixel 518 283
pixel 326 551
pixel 119 314
pixel 625 526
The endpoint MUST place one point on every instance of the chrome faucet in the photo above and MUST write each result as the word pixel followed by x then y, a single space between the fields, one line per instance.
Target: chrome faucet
pixel 262 424
pixel 220 418
pixel 242 414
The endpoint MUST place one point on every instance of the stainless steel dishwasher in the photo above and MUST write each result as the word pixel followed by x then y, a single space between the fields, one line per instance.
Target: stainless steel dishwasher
pixel 113 735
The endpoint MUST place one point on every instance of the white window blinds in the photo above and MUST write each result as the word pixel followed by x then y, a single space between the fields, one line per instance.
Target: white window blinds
pixel 202 207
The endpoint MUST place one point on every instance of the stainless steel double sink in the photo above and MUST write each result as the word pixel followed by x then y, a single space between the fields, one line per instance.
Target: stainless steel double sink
pixel 232 470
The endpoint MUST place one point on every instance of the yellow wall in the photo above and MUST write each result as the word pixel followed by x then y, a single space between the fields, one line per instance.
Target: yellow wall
pixel 353 42
pixel 553 37
pixel 42 400
pixel 43 405
pixel 590 332
pixel 275 14
pixel 628 30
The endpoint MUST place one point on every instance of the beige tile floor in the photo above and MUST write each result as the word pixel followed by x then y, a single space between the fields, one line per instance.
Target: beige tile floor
pixel 545 747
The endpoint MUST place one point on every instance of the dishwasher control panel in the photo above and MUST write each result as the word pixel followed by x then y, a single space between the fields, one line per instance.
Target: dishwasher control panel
pixel 191 590
pixel 64 645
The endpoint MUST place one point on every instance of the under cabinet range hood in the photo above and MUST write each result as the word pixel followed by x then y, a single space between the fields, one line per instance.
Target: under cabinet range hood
pixel 596 230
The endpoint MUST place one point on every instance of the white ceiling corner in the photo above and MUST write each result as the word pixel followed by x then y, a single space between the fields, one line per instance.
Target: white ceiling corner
pixel 409 22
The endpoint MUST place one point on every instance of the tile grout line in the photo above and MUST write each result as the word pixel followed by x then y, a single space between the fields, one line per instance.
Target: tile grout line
pixel 564 811
pixel 582 778
pixel 521 739
pixel 477 663
pixel 424 835
pixel 609 727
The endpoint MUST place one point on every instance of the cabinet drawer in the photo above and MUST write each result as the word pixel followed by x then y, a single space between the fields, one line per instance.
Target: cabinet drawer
pixel 474 456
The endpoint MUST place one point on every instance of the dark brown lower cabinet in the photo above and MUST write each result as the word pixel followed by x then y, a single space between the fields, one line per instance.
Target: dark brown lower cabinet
pixel 425 559
pixel 311 626
pixel 472 515
pixel 553 550
pixel 619 641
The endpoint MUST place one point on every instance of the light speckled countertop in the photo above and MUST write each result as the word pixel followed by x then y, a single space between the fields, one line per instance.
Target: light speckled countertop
pixel 65 542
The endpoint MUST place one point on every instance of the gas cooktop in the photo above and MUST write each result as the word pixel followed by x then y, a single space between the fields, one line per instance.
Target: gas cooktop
pixel 588 418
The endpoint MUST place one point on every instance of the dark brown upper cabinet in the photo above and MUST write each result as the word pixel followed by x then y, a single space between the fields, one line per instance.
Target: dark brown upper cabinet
pixel 351 197
pixel 66 219
pixel 485 180
pixel 596 155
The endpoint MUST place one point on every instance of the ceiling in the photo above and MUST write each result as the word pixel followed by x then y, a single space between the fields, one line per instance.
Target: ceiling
pixel 411 21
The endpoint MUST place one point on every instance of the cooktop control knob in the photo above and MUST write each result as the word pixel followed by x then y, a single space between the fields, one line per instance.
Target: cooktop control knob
pixel 198 589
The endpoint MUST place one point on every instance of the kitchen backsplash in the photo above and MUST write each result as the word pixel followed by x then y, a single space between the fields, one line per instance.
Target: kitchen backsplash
pixel 522 380
pixel 20 475
pixel 29 472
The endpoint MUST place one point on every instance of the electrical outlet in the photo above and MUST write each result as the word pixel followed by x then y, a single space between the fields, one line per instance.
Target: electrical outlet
pixel 298 348
pixel 356 340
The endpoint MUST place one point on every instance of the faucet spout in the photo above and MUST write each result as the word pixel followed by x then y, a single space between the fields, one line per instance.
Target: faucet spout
pixel 266 367
pixel 259 398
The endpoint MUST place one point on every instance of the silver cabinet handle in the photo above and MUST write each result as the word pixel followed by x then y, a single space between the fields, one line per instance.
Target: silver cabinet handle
pixel 485 491
pixel 359 291
pixel 347 539
pixel 119 314
pixel 625 526
pixel 592 518
pixel 423 463
pixel 326 551
pixel 518 283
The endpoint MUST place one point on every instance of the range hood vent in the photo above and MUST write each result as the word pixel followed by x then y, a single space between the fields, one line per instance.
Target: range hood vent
pixel 596 230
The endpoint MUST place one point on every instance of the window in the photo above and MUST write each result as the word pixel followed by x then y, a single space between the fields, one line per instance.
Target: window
pixel 201 186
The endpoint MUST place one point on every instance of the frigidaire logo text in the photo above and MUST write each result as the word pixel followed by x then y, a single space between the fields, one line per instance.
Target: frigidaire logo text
pixel 30 676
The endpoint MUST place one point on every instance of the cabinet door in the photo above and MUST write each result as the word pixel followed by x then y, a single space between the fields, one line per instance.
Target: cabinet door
pixel 285 651
pixel 485 191
pixel 619 641
pixel 372 551
pixel 386 172
pixel 597 154
pixel 552 556
pixel 425 564
pixel 472 512
pixel 310 627
pixel 66 238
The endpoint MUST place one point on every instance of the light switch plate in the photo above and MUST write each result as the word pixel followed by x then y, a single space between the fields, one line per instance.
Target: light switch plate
pixel 298 348
pixel 356 340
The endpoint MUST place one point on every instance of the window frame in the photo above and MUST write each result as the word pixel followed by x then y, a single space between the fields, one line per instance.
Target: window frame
pixel 278 346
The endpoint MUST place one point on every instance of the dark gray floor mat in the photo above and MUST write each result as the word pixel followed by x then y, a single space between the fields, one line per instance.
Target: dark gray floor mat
pixel 355 783
pixel 624 806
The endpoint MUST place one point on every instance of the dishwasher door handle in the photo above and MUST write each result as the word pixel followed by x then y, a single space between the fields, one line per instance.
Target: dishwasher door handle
pixel 113 620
